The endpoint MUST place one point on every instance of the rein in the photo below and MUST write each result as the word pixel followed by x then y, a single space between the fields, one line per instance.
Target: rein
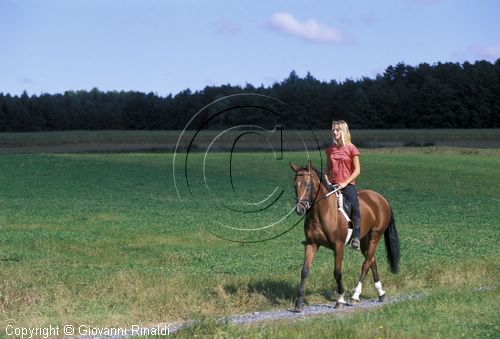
pixel 336 190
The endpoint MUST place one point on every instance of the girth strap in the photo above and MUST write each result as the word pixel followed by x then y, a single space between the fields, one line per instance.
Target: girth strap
pixel 340 200
pixel 340 203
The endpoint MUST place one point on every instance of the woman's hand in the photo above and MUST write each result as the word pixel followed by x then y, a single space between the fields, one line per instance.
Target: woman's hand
pixel 343 184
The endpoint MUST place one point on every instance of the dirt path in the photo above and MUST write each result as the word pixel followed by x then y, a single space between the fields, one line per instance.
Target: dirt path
pixel 284 314
pixel 170 147
pixel 309 311
pixel 84 148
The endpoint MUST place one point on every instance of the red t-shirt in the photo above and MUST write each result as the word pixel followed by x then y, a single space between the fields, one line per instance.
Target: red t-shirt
pixel 340 162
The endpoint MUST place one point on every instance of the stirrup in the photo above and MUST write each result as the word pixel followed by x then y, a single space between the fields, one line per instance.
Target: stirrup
pixel 355 244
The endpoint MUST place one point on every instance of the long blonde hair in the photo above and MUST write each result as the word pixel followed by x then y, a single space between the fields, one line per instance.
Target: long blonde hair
pixel 344 128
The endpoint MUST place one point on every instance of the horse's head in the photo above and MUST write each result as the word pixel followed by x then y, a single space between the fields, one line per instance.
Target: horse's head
pixel 304 182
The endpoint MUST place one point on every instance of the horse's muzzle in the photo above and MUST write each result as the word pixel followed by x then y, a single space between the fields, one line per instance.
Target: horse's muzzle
pixel 302 207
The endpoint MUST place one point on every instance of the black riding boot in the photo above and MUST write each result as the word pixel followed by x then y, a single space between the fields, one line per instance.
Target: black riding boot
pixel 356 234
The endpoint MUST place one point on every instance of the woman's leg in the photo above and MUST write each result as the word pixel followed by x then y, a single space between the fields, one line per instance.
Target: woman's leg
pixel 351 194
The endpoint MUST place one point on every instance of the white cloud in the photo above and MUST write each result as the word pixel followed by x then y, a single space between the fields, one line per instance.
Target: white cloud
pixel 309 30
pixel 491 53
pixel 474 52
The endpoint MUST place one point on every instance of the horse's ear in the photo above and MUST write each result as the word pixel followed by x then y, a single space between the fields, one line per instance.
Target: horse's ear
pixel 309 165
pixel 294 167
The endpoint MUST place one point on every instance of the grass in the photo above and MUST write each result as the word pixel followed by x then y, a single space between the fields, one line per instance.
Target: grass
pixel 443 314
pixel 84 137
pixel 102 239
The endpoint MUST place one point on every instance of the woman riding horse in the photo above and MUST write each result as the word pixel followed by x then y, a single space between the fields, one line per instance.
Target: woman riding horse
pixel 343 168
pixel 325 226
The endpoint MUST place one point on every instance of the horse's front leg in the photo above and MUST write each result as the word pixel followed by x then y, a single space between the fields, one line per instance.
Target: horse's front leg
pixel 337 273
pixel 309 254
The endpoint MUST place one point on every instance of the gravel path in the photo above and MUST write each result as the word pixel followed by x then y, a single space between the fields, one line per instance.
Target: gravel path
pixel 254 317
pixel 308 311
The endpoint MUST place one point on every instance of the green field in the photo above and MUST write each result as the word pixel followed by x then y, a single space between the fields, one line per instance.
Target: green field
pixel 103 239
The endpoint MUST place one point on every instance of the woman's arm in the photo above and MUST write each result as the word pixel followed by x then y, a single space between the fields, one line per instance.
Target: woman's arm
pixel 355 172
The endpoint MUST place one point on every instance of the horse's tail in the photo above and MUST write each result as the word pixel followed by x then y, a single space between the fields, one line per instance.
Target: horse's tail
pixel 392 245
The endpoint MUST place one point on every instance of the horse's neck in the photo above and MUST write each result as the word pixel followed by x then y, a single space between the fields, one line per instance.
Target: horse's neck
pixel 320 193
pixel 323 205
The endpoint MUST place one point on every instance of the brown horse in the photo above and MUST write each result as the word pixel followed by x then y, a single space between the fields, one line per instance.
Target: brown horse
pixel 325 226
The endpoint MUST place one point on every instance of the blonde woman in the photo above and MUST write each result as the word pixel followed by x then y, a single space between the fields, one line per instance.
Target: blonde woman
pixel 343 169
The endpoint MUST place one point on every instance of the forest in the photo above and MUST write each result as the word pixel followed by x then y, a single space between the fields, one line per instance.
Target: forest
pixel 441 95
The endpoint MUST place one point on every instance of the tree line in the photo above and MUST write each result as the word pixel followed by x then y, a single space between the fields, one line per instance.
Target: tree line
pixel 442 95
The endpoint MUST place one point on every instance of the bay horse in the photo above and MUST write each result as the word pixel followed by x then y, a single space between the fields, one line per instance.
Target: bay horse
pixel 325 226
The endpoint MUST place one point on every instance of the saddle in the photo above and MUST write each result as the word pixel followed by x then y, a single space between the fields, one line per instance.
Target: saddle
pixel 345 208
pixel 343 205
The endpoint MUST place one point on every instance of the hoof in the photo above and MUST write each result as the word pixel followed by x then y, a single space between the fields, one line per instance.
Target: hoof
pixel 298 309
pixel 355 301
pixel 299 306
pixel 339 306
pixel 381 297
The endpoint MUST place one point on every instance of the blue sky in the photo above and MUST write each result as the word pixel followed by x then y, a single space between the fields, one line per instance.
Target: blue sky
pixel 50 46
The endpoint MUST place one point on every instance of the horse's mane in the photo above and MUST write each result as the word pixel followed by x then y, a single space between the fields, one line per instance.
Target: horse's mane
pixel 318 173
pixel 320 176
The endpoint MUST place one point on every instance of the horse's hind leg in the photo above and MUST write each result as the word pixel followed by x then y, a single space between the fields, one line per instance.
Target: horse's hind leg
pixel 310 251
pixel 368 248
pixel 337 273
pixel 376 281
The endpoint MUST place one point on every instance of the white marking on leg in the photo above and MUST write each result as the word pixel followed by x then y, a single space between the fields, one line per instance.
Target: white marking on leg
pixel 378 287
pixel 341 299
pixel 357 291
pixel 349 232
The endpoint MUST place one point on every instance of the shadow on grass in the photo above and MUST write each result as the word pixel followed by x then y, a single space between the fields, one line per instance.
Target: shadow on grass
pixel 272 290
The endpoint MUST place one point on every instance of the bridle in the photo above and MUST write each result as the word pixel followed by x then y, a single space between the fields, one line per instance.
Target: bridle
pixel 307 203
